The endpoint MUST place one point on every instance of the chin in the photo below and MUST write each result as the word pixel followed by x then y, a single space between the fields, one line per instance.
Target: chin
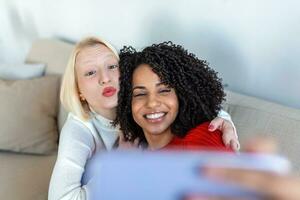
pixel 110 104
pixel 114 106
pixel 156 132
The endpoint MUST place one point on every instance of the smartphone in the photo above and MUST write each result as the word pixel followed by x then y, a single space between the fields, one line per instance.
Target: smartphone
pixel 171 175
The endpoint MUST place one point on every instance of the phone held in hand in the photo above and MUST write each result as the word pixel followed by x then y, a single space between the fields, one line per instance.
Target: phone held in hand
pixel 172 175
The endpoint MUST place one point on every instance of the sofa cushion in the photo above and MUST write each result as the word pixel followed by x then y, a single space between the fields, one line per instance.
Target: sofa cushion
pixel 253 116
pixel 55 54
pixel 25 177
pixel 21 71
pixel 28 115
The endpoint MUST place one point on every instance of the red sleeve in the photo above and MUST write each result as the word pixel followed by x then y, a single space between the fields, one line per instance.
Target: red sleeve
pixel 201 138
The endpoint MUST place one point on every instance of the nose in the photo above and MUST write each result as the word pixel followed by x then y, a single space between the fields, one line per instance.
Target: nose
pixel 104 77
pixel 153 101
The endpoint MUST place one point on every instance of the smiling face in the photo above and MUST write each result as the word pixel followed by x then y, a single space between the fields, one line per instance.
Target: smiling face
pixel 154 105
pixel 97 73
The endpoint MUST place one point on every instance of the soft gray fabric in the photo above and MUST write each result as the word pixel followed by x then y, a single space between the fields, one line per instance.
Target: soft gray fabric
pixel 253 116
pixel 55 54
pixel 21 71
pixel 25 177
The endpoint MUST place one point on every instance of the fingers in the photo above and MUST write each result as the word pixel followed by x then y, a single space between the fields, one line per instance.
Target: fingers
pixel 261 145
pixel 254 180
pixel 271 186
pixel 229 135
pixel 215 124
pixel 234 144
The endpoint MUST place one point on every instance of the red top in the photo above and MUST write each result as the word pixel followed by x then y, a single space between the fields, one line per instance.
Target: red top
pixel 199 138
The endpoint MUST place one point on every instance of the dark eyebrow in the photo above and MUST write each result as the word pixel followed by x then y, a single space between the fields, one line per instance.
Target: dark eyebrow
pixel 159 84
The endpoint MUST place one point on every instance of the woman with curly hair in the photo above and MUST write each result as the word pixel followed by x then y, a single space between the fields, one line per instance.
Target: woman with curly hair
pixel 167 98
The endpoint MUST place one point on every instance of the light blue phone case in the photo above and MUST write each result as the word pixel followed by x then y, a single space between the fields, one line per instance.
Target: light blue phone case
pixel 171 175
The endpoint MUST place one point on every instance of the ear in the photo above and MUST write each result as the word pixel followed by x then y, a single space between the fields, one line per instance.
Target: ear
pixel 81 97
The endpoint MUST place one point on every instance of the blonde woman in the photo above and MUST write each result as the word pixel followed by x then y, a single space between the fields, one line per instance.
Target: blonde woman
pixel 89 92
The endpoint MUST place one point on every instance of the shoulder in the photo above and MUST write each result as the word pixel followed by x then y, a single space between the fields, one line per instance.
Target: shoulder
pixel 74 124
pixel 202 137
pixel 76 130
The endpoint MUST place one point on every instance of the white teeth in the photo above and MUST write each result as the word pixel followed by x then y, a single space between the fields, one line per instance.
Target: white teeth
pixel 155 115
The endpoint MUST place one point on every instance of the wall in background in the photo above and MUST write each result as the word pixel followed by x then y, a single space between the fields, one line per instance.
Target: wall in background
pixel 254 44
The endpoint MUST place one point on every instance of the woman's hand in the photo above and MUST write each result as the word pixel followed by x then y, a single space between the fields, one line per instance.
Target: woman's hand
pixel 229 136
pixel 269 185
pixel 123 144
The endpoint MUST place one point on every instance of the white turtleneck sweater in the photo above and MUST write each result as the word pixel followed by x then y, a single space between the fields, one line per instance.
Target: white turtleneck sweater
pixel 78 142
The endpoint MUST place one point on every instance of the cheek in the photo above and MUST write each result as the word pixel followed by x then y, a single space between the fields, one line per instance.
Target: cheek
pixel 81 84
pixel 81 79
pixel 115 76
pixel 87 86
pixel 174 104
pixel 136 108
pixel 133 108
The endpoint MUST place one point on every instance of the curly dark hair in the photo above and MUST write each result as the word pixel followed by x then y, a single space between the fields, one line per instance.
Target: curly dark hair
pixel 197 86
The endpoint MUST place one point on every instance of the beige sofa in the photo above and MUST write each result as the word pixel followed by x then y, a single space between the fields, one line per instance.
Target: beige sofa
pixel 26 176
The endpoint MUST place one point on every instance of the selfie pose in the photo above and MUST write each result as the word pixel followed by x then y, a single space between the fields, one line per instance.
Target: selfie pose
pixel 89 92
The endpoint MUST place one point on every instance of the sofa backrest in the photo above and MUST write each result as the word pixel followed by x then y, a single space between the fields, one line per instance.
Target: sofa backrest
pixel 55 54
pixel 253 116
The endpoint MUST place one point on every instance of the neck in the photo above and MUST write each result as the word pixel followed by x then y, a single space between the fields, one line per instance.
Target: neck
pixel 158 141
pixel 108 113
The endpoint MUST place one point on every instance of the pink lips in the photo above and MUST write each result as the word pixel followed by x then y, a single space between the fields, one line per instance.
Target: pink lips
pixel 109 91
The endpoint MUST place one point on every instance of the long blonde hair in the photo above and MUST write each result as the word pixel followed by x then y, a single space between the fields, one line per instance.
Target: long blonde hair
pixel 69 93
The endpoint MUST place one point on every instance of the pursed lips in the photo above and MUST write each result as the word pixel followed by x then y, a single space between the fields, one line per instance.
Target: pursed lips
pixel 109 91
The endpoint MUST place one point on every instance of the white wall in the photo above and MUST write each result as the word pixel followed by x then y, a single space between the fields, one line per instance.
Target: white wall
pixel 254 44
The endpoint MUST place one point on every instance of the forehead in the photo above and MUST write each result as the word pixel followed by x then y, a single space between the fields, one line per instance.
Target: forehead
pixel 144 74
pixel 97 52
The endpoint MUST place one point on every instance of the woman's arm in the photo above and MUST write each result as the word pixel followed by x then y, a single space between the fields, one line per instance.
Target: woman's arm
pixel 76 146
pixel 224 123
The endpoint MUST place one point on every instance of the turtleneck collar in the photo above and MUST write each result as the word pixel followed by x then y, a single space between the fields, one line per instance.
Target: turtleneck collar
pixel 107 123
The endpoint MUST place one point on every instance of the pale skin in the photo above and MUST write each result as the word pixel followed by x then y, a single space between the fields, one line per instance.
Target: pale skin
pixel 97 68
